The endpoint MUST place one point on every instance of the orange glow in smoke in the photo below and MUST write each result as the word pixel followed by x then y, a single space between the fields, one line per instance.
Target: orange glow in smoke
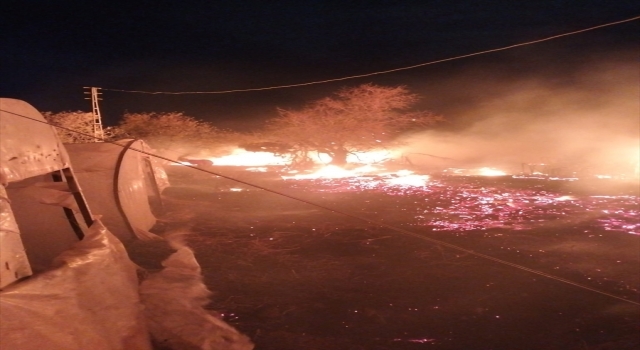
pixel 241 157
pixel 475 172
pixel 490 172
pixel 373 174
pixel 333 172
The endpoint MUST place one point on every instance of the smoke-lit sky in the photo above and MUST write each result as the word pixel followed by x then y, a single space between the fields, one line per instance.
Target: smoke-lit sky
pixel 51 49
pixel 588 121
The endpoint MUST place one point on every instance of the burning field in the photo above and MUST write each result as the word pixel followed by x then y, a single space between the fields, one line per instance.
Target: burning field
pixel 388 259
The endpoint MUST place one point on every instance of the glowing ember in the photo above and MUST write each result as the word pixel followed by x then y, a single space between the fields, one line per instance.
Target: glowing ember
pixel 241 157
pixel 490 172
pixel 462 204
pixel 333 172
pixel 371 157
pixel 475 172
pixel 409 180
pixel 368 174
pixel 419 341
pixel 328 172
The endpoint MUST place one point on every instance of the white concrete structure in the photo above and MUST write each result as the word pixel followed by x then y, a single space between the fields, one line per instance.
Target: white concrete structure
pixel 67 282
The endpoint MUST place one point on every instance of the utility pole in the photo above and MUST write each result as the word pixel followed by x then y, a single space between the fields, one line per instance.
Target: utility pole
pixel 98 133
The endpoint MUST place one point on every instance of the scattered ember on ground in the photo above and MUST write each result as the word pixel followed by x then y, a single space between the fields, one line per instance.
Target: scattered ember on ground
pixel 292 276
pixel 471 205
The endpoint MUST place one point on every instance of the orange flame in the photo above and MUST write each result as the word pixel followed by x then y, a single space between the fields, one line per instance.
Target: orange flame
pixel 241 157
pixel 398 178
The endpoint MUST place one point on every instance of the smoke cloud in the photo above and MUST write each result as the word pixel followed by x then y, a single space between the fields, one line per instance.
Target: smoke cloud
pixel 588 124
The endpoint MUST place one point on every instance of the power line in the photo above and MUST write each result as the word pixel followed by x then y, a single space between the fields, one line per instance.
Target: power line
pixel 374 222
pixel 381 72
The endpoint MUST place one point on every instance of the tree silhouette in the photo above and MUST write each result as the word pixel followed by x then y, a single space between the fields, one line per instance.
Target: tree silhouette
pixel 75 127
pixel 359 119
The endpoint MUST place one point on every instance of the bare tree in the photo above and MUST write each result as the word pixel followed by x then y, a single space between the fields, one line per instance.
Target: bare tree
pixel 72 127
pixel 166 130
pixel 356 119
pixel 176 132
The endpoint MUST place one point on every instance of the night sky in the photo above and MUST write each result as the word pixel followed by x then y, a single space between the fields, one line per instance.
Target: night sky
pixel 51 49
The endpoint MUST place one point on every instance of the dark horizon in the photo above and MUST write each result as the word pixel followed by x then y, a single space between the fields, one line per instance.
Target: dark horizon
pixel 55 50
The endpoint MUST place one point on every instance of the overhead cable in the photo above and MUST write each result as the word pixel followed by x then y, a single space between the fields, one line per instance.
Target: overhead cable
pixel 379 72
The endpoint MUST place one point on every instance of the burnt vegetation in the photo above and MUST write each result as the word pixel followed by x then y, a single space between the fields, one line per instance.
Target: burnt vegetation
pixel 294 276
pixel 356 119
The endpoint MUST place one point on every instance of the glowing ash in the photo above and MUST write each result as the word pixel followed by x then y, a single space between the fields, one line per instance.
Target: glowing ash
pixel 365 176
pixel 241 157
pixel 458 204
pixel 333 172
pixel 485 171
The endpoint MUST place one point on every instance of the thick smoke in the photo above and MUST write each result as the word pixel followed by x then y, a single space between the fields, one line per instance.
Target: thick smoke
pixel 587 125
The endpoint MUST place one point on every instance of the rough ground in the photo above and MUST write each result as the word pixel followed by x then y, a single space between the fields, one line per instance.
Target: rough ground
pixel 292 276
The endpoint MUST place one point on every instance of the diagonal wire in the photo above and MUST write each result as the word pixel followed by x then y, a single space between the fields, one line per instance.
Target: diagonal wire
pixel 384 71
pixel 374 222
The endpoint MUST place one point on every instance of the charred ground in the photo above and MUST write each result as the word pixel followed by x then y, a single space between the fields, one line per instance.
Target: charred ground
pixel 293 276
